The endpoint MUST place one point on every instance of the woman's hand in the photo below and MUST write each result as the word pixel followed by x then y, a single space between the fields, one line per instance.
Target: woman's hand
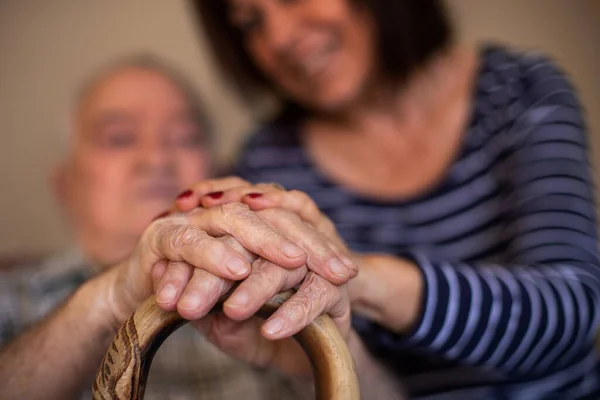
pixel 211 193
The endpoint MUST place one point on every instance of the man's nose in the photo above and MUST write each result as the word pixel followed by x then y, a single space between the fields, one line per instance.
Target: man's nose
pixel 155 156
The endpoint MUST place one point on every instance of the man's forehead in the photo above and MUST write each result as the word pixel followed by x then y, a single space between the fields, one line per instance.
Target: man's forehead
pixel 129 87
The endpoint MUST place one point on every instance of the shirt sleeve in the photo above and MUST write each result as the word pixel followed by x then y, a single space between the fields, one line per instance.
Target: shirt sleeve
pixel 10 307
pixel 539 311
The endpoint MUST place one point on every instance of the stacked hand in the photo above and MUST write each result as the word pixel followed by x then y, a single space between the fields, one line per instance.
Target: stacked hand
pixel 267 238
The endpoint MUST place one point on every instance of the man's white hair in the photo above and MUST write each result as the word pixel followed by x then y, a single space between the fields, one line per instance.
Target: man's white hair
pixel 145 61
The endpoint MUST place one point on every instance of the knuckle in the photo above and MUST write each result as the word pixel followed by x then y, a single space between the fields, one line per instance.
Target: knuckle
pixel 301 308
pixel 213 251
pixel 234 211
pixel 299 195
pixel 183 236
pixel 213 285
pixel 266 274
pixel 178 270
pixel 327 227
pixel 264 240
pixel 320 252
pixel 235 180
pixel 317 288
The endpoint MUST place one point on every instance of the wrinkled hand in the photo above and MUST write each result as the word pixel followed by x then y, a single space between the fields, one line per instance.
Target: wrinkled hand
pixel 190 260
pixel 236 331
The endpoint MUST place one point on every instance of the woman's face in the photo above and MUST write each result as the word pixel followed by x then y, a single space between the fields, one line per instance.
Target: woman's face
pixel 319 52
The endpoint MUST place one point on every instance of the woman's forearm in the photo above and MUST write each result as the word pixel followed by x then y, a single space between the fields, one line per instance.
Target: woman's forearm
pixel 57 358
pixel 536 302
pixel 388 290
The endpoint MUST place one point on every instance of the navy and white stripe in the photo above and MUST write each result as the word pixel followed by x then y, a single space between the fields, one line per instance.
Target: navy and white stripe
pixel 507 243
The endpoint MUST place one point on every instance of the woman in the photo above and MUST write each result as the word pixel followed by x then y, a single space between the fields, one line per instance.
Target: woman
pixel 458 177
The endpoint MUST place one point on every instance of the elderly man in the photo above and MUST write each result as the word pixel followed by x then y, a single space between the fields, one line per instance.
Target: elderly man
pixel 138 138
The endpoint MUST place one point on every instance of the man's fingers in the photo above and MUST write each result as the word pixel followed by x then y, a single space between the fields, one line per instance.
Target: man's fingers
pixel 251 231
pixel 322 256
pixel 299 203
pixel 314 297
pixel 264 282
pixel 180 241
pixel 172 283
pixel 158 272
pixel 201 294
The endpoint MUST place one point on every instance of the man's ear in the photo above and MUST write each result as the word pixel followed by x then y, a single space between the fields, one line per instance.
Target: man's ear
pixel 59 182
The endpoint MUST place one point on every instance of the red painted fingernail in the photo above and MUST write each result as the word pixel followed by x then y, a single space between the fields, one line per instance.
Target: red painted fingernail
pixel 215 195
pixel 161 215
pixel 185 195
pixel 254 195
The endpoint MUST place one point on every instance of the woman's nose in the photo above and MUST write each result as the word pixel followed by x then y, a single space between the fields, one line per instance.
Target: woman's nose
pixel 280 30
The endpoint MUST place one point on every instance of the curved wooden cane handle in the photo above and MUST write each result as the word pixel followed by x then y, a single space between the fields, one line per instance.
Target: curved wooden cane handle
pixel 124 370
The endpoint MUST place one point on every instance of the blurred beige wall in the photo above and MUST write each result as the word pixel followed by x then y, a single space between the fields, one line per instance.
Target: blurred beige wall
pixel 46 47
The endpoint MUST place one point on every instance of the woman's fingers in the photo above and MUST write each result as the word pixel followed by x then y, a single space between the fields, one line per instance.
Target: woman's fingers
pixel 190 198
pixel 235 194
pixel 315 296
pixel 264 282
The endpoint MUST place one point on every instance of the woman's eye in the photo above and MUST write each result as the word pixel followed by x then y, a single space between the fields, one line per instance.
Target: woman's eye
pixel 248 25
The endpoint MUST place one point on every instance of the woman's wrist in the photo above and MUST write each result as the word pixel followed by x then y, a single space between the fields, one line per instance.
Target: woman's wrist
pixel 388 290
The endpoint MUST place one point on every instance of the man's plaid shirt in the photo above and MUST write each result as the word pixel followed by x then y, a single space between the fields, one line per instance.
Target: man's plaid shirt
pixel 185 367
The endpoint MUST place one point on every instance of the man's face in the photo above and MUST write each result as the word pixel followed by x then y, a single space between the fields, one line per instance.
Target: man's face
pixel 136 146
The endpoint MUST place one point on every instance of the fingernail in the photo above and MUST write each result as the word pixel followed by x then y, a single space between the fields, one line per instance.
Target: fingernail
pixel 254 195
pixel 239 299
pixel 215 195
pixel 236 266
pixel 185 195
pixel 274 326
pixel 161 215
pixel 166 294
pixel 348 262
pixel 190 301
pixel 293 251
pixel 337 268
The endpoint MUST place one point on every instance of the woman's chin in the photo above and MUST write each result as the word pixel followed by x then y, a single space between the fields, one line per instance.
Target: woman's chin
pixel 331 100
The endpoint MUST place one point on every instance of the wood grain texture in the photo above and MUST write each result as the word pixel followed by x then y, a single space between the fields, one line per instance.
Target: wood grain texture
pixel 124 370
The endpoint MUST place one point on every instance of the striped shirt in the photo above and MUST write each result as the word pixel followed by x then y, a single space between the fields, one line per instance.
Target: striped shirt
pixel 506 243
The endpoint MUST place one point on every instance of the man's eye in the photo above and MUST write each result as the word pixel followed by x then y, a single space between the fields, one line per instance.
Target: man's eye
pixel 188 140
pixel 119 139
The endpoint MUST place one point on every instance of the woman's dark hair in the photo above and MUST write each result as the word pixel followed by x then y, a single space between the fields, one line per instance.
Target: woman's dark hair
pixel 409 33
